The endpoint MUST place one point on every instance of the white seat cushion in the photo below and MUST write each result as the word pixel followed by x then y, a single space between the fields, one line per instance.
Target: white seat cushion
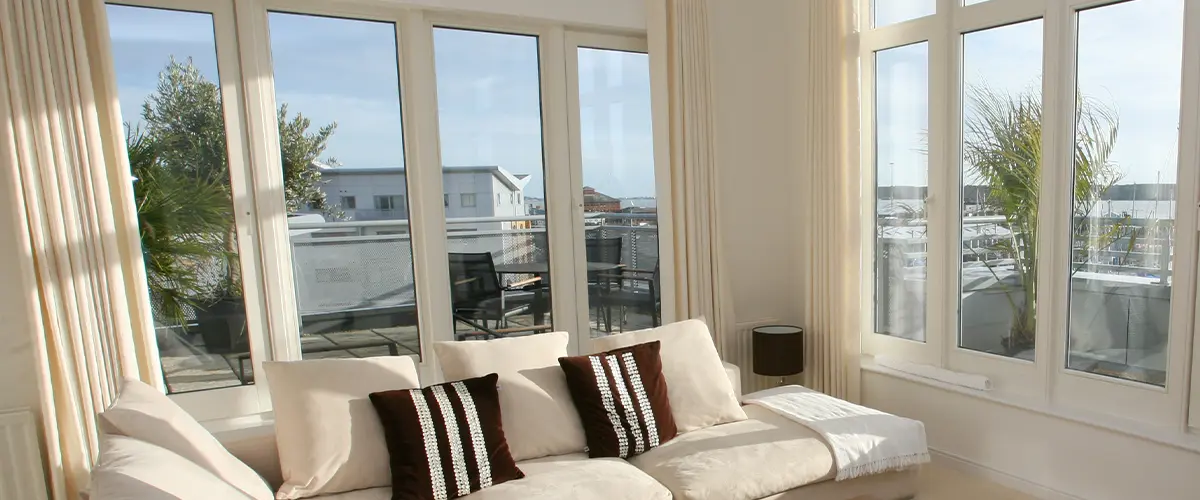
pixel 538 414
pixel 329 437
pixel 143 413
pixel 750 459
pixel 555 478
pixel 130 469
pixel 698 385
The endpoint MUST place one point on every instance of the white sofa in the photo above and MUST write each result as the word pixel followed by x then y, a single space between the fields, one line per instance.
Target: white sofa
pixel 760 455
pixel 718 463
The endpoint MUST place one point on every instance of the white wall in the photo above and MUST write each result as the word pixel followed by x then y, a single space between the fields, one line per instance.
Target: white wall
pixel 756 71
pixel 1051 457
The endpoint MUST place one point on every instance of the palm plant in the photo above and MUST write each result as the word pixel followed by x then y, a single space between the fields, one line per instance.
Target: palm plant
pixel 1002 149
pixel 178 218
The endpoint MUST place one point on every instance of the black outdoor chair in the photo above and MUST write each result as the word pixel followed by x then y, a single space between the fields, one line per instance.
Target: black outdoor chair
pixel 479 300
pixel 636 290
pixel 606 251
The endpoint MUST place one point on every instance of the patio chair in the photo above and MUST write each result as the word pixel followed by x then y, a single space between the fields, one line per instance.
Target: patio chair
pixel 636 290
pixel 601 250
pixel 479 300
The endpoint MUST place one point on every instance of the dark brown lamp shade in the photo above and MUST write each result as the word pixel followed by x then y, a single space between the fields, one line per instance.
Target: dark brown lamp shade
pixel 778 350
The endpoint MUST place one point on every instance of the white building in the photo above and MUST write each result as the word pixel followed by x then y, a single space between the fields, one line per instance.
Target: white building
pixel 382 193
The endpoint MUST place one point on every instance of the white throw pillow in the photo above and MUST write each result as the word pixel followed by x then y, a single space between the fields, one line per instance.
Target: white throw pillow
pixel 536 410
pixel 143 413
pixel 130 469
pixel 329 437
pixel 699 389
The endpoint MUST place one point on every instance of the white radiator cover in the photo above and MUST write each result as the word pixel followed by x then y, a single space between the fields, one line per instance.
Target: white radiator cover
pixel 21 473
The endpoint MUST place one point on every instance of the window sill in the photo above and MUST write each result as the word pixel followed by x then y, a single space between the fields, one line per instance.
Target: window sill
pixel 1184 439
pixel 241 428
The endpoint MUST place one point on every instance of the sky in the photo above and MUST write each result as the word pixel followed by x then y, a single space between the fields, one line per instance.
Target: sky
pixel 345 72
pixel 1129 58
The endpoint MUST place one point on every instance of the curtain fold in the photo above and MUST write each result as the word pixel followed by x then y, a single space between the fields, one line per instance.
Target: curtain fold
pixel 681 86
pixel 830 228
pixel 66 184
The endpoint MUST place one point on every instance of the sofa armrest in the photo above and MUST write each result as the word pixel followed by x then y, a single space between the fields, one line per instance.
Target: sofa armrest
pixel 735 377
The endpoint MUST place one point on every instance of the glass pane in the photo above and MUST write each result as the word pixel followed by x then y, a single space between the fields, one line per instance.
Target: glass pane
pixel 341 141
pixel 166 65
pixel 1125 172
pixel 490 115
pixel 895 11
pixel 902 185
pixel 620 210
pixel 1001 169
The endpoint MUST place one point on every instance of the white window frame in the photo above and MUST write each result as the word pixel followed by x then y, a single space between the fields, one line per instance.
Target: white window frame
pixel 464 197
pixel 243 48
pixel 1046 384
pixel 246 399
pixel 575 40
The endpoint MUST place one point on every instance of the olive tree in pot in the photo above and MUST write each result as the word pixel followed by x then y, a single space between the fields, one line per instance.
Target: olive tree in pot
pixel 185 206
pixel 1002 151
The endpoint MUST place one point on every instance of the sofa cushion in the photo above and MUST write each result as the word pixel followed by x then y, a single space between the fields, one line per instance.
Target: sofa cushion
pixel 143 413
pixel 699 388
pixel 539 418
pixel 750 459
pixel 445 440
pixel 329 437
pixel 573 476
pixel 622 400
pixel 130 469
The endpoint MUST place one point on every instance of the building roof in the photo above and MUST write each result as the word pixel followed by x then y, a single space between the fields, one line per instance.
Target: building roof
pixel 591 196
pixel 516 182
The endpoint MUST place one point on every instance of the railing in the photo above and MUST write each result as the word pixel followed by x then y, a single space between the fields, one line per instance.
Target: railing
pixel 355 264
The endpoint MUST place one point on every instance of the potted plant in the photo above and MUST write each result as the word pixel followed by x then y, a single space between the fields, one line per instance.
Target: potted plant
pixel 1002 150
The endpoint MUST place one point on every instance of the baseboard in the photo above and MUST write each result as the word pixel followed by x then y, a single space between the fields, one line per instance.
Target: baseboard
pixel 965 466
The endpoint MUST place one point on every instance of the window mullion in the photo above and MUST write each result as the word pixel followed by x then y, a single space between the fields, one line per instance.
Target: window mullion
pixel 942 201
pixel 1185 273
pixel 422 151
pixel 1054 216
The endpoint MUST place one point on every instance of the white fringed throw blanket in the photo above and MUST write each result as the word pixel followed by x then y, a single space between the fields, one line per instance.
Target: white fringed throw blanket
pixel 864 441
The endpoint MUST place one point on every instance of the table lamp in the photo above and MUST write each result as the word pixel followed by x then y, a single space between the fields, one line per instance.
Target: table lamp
pixel 778 351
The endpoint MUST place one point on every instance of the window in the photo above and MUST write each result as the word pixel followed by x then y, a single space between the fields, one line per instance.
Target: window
pixel 887 12
pixel 490 107
pixel 1001 167
pixel 1030 163
pixel 178 116
pixel 1123 220
pixel 389 202
pixel 271 120
pixel 621 250
pixel 346 126
pixel 902 184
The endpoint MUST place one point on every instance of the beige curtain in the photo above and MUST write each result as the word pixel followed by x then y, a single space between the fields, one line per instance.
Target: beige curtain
pixel 681 84
pixel 66 182
pixel 830 229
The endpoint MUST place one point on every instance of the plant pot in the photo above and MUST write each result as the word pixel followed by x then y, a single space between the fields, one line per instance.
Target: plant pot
pixel 222 325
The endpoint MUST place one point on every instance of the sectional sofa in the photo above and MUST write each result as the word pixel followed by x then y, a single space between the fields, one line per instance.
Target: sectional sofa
pixel 325 444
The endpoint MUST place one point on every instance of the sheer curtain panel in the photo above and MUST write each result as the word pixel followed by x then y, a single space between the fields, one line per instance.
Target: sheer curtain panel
pixel 66 184
pixel 830 238
pixel 683 110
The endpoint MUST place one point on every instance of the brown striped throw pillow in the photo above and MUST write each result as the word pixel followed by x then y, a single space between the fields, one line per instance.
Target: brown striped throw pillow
pixel 446 440
pixel 621 397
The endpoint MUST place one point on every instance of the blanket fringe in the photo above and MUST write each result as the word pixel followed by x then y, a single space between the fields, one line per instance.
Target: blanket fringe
pixel 881 466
